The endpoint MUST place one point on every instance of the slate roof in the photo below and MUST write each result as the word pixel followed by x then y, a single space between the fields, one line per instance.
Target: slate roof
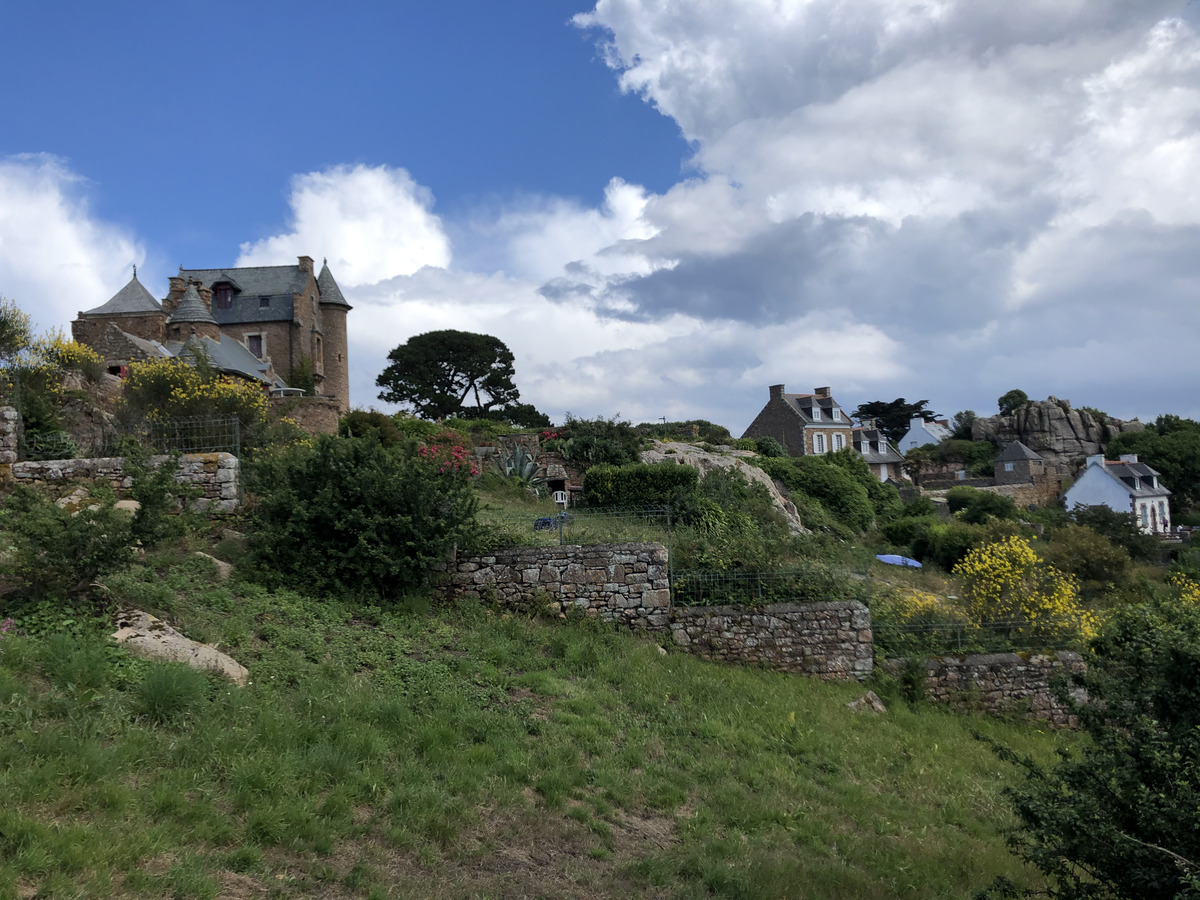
pixel 1136 477
pixel 276 283
pixel 271 281
pixel 804 404
pixel 191 309
pixel 131 300
pixel 331 294
pixel 1018 451
pixel 872 438
pixel 227 355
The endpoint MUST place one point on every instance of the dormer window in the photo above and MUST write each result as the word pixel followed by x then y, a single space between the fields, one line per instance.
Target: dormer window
pixel 816 413
pixel 264 302
pixel 223 296
pixel 837 414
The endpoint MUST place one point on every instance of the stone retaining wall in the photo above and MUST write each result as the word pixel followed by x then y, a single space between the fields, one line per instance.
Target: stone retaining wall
pixel 1000 683
pixel 316 415
pixel 829 640
pixel 628 583
pixel 215 474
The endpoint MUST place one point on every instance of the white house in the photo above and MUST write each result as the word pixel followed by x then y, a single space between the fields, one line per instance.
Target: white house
pixel 921 433
pixel 1125 486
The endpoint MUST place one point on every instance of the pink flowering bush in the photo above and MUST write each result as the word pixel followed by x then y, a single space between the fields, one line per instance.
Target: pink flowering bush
pixel 446 453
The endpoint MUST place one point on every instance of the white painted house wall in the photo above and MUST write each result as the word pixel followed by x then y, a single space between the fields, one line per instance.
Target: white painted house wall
pixel 921 433
pixel 1098 487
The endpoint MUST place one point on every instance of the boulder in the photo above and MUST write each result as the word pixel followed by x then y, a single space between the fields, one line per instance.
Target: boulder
pixel 224 569
pixel 699 458
pixel 870 700
pixel 1053 430
pixel 150 637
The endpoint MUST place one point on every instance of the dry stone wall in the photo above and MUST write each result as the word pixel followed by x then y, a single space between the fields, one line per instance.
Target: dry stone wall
pixel 830 640
pixel 1000 683
pixel 214 474
pixel 626 583
pixel 629 584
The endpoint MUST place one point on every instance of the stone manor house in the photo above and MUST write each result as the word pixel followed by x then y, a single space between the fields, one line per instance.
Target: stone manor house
pixel 272 324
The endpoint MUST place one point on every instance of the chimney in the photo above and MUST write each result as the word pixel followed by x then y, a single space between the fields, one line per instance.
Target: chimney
pixel 306 264
pixel 1096 460
pixel 822 392
pixel 178 287
pixel 1129 457
pixel 205 296
pixel 776 391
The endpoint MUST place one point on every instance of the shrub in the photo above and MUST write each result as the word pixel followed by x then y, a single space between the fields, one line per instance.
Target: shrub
pixel 1120 528
pixel 946 543
pixel 692 430
pixel 56 554
pixel 171 388
pixel 1099 565
pixel 590 442
pixel 836 489
pixel 639 484
pixel 976 507
pixel 771 448
pixel 361 422
pixel 1005 584
pixel 162 500
pixel 349 514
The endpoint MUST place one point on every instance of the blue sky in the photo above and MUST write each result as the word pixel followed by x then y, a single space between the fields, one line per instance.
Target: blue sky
pixel 662 207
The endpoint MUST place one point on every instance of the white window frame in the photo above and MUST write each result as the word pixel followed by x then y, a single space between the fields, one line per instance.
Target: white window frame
pixel 818 443
pixel 816 413
pixel 839 441
pixel 1008 467
pixel 837 414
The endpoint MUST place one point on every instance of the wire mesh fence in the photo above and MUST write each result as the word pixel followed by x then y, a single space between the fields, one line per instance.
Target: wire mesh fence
pixel 187 434
pixel 548 526
pixel 935 638
pixel 808 584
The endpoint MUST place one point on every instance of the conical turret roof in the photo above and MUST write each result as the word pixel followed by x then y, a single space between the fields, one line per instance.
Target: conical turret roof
pixel 131 300
pixel 191 309
pixel 331 294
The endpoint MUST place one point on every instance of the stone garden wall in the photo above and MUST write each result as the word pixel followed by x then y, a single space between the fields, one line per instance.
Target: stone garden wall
pixel 829 640
pixel 628 583
pixel 625 583
pixel 1000 683
pixel 215 474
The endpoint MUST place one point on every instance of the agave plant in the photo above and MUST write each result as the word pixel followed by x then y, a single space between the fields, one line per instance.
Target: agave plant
pixel 521 463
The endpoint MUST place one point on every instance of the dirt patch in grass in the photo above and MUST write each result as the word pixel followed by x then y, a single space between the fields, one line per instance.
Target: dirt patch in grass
pixel 513 854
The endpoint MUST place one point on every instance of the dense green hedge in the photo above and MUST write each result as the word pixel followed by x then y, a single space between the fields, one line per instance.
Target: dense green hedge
pixel 638 484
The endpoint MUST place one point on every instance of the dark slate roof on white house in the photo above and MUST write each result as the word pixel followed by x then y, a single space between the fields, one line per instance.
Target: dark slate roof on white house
pixel 1136 477
pixel 131 300
pixel 1017 451
pixel 331 294
pixel 191 309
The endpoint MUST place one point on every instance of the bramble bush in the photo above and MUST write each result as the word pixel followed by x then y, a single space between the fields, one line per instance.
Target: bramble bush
pixel 348 515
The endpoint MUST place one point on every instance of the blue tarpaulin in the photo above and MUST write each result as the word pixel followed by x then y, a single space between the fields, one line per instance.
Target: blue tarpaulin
pixel 893 559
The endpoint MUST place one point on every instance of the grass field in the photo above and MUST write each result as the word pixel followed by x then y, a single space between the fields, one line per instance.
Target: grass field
pixel 431 751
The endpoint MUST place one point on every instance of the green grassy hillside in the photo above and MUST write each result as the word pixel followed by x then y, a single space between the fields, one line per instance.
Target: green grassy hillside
pixel 462 751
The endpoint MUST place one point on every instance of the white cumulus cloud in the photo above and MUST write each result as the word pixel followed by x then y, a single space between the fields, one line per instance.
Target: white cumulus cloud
pixel 373 222
pixel 56 256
